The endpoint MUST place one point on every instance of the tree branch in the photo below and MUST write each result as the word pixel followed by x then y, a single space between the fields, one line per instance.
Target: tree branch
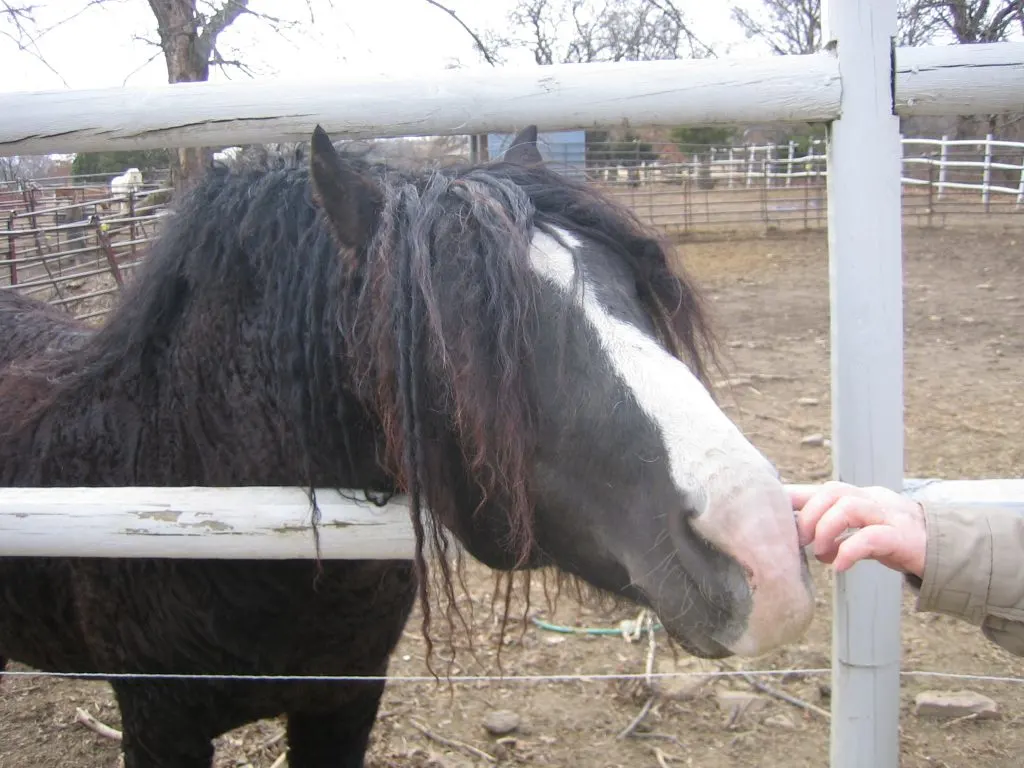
pixel 22 18
pixel 221 19
pixel 217 60
pixel 477 42
pixel 668 7
pixel 159 52
pixel 43 32
pixel 967 21
pixel 786 27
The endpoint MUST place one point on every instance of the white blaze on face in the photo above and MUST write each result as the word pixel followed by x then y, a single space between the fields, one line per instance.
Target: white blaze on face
pixel 740 505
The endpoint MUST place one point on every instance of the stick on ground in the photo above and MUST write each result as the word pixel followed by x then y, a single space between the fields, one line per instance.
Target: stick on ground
pixel 96 726
pixel 628 730
pixel 452 743
pixel 783 696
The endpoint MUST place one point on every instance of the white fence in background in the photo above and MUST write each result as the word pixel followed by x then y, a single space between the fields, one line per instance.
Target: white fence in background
pixel 986 166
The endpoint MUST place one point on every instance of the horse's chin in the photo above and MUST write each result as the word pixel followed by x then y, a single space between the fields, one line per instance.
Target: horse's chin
pixel 693 622
pixel 694 643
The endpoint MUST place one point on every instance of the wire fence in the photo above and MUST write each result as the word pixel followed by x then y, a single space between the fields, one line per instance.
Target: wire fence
pixel 74 241
pixel 474 679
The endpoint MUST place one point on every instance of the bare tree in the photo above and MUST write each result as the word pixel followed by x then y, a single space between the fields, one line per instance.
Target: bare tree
pixel 794 26
pixel 913 26
pixel 970 21
pixel 785 26
pixel 25 167
pixel 577 31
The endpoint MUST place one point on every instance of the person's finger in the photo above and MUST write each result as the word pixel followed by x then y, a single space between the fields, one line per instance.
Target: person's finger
pixel 847 512
pixel 815 506
pixel 799 495
pixel 811 509
pixel 875 542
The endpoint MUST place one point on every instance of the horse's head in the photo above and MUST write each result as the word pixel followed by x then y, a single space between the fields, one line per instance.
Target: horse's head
pixel 536 366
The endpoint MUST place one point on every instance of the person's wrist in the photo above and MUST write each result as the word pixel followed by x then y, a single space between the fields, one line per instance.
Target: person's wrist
pixel 918 543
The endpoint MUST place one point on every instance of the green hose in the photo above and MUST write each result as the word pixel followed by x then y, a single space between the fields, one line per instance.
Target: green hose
pixel 587 630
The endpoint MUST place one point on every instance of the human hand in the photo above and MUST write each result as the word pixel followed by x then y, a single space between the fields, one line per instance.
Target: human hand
pixel 890 528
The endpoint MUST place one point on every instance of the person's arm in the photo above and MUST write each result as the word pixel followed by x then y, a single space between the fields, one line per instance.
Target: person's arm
pixel 974 568
pixel 965 560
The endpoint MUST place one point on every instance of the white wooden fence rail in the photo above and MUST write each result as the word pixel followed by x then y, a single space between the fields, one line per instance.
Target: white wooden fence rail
pixel 930 80
pixel 269 522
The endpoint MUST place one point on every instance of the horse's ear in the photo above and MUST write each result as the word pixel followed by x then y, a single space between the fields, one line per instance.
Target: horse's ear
pixel 524 148
pixel 351 200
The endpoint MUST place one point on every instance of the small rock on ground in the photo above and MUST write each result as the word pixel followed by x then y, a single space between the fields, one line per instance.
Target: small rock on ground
pixel 780 721
pixel 501 722
pixel 953 704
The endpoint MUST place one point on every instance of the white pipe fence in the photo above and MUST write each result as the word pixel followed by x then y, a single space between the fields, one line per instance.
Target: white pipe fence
pixel 775 166
pixel 858 83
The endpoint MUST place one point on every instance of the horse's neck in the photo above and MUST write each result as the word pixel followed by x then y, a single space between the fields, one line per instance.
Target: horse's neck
pixel 219 414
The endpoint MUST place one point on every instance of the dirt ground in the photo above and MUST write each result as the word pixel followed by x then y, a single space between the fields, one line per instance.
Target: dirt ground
pixel 964 415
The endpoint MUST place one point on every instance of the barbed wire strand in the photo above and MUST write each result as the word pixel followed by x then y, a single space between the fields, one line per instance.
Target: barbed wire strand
pixel 465 679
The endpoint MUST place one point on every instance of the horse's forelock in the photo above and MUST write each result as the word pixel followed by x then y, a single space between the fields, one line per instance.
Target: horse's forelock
pixel 453 331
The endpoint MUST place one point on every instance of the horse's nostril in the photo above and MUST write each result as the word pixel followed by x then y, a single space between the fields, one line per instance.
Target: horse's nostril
pixel 749 573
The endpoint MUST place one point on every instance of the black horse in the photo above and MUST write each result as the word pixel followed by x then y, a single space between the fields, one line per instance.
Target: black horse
pixel 503 344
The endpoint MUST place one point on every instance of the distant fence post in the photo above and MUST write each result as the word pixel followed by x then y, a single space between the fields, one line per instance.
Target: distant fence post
pixel 943 158
pixel 1020 186
pixel 766 181
pixel 108 250
pixel 808 179
pixel 131 220
pixel 789 163
pixel 12 248
pixel 931 189
pixel 986 174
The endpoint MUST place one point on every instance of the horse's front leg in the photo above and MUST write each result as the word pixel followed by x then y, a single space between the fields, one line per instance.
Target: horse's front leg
pixel 162 726
pixel 334 738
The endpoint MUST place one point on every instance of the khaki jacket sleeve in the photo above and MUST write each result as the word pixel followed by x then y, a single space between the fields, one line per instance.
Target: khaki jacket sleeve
pixel 974 568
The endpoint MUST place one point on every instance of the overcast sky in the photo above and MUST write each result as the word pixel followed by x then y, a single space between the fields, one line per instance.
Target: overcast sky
pixel 105 46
